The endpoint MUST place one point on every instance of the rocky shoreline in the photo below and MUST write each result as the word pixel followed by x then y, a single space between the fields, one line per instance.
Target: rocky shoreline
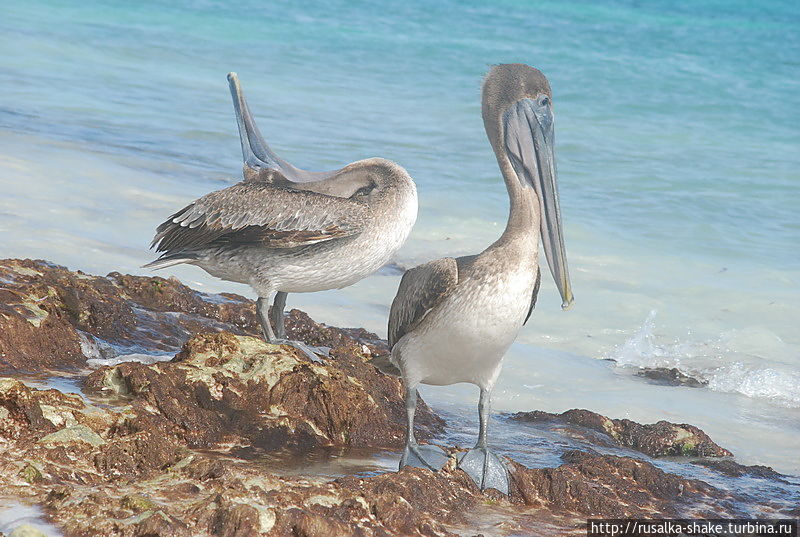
pixel 181 444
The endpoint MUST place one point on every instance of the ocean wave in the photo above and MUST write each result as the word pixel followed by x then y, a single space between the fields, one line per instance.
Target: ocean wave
pixel 719 363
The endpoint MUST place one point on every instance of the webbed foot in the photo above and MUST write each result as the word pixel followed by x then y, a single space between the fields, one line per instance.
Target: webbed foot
pixel 309 350
pixel 423 456
pixel 485 468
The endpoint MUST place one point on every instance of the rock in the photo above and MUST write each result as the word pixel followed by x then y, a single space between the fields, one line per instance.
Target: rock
pixel 734 469
pixel 145 478
pixel 31 474
pixel 26 530
pixel 137 503
pixel 149 482
pixel 51 318
pixel 246 500
pixel 137 455
pixel 656 440
pixel 71 435
pixel 236 520
pixel 670 376
pixel 29 414
pixel 610 487
pixel 176 448
pixel 228 388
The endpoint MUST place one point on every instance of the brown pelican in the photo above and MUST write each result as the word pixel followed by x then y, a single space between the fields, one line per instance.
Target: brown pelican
pixel 453 319
pixel 286 230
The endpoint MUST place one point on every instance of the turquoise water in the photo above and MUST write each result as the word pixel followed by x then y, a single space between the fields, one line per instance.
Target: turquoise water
pixel 678 147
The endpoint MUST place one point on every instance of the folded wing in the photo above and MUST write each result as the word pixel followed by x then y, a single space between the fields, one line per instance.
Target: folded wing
pixel 421 289
pixel 258 212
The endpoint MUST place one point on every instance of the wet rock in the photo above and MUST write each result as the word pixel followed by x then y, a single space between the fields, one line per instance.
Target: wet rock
pixel 31 474
pixel 236 520
pixel 223 388
pixel 72 435
pixel 170 295
pixel 610 486
pixel 34 320
pixel 28 414
pixel 670 376
pixel 172 448
pixel 302 327
pixel 732 468
pixel 656 440
pixel 137 503
pixel 26 530
pixel 53 318
pixel 138 455
pixel 147 481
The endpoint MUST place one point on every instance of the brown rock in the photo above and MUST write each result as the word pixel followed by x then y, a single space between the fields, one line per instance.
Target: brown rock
pixel 30 414
pixel 48 312
pixel 165 295
pixel 238 520
pixel 146 482
pixel 35 326
pixel 671 376
pixel 734 469
pixel 608 486
pixel 656 440
pixel 138 455
pixel 166 454
pixel 223 388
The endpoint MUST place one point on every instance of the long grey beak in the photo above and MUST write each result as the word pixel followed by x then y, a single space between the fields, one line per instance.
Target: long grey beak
pixel 256 153
pixel 529 144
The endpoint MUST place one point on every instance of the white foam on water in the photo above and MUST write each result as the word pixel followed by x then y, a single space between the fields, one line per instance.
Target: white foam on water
pixel 146 359
pixel 14 515
pixel 722 363
pixel 100 353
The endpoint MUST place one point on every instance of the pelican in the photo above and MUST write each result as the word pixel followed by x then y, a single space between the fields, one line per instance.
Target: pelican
pixel 454 318
pixel 285 230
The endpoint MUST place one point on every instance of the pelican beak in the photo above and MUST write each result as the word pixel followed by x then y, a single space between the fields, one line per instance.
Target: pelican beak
pixel 529 141
pixel 256 153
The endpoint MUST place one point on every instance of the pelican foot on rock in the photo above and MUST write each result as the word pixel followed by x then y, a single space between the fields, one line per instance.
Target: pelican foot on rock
pixel 485 468
pixel 309 350
pixel 423 456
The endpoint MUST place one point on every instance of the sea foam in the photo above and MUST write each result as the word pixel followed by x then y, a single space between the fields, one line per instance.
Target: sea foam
pixel 719 363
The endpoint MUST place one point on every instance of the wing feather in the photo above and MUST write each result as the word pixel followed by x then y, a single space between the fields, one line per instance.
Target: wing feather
pixel 260 212
pixel 534 295
pixel 421 289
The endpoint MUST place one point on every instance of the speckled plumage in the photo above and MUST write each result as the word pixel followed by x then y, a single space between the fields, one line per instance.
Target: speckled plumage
pixel 453 320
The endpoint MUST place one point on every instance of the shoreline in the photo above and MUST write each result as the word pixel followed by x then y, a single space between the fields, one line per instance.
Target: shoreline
pixel 192 443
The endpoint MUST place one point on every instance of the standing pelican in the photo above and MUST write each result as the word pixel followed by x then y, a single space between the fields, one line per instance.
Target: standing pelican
pixel 286 230
pixel 453 319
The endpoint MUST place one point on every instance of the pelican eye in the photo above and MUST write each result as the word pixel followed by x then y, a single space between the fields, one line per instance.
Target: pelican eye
pixel 365 190
pixel 544 101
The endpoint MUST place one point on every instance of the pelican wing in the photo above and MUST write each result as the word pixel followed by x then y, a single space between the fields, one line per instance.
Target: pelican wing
pixel 421 289
pixel 256 212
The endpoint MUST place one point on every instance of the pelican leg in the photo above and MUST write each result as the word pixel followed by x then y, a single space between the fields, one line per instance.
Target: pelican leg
pixel 485 468
pixel 262 307
pixel 278 305
pixel 419 456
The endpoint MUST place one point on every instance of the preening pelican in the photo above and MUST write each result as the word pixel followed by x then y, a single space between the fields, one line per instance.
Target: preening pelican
pixel 286 230
pixel 454 318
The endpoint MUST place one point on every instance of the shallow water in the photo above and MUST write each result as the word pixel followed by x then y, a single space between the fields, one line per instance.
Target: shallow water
pixel 678 145
pixel 15 515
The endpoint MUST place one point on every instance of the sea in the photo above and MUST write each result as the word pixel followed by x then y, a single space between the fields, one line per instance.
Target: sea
pixel 677 145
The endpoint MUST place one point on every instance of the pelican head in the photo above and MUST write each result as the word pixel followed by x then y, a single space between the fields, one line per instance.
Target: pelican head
pixel 517 107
